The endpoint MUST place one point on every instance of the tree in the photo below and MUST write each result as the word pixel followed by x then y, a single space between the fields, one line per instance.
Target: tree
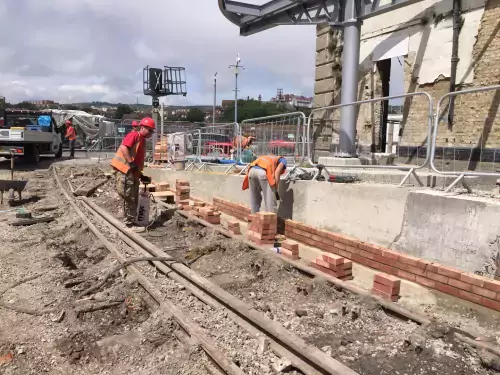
pixel 248 109
pixel 26 105
pixel 195 115
pixel 122 109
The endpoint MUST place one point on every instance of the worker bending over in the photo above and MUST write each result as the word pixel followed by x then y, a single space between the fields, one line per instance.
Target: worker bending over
pixel 128 164
pixel 263 178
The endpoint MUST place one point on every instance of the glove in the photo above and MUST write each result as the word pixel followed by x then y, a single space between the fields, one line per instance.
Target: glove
pixel 278 198
pixel 145 179
pixel 133 167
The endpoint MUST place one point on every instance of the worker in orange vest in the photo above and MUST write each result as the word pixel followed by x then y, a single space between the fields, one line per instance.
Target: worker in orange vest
pixel 128 164
pixel 263 178
pixel 71 137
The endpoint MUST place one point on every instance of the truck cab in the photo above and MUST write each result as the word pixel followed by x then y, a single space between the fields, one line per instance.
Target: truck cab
pixel 29 134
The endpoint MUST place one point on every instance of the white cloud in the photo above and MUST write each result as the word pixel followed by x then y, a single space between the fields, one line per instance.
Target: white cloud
pixel 79 50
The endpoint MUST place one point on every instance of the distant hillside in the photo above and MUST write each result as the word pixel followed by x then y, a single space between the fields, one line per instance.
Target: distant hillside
pixel 138 106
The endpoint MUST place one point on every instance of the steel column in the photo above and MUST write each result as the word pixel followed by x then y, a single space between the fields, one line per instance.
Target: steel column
pixel 350 78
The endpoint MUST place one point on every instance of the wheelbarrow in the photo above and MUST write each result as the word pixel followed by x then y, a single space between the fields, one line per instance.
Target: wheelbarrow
pixel 12 186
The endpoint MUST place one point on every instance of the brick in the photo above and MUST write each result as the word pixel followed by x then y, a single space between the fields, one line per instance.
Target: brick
pixel 470 296
pixel 425 282
pixel 483 292
pixel 372 248
pixel 385 295
pixel 349 241
pixel 338 275
pixel 448 289
pixel 437 277
pixel 391 290
pixel 162 186
pixel 391 254
pixel 493 285
pixel 366 254
pixel 449 272
pixel 411 269
pixel 206 211
pixel 490 304
pixel 267 217
pixel 181 183
pixel 290 254
pixel 460 284
pixel 340 245
pixel 236 231
pixel 333 259
pixel 233 223
pixel 290 245
pixel 387 280
pixel 406 275
pixel 432 268
pixel 472 279
pixel 413 261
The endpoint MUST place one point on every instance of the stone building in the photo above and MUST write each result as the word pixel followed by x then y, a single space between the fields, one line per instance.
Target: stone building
pixel 421 37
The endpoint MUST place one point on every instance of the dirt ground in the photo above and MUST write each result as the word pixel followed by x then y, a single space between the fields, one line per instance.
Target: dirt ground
pixel 128 337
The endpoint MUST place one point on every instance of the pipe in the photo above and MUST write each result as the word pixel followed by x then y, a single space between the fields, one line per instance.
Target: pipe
pixel 457 26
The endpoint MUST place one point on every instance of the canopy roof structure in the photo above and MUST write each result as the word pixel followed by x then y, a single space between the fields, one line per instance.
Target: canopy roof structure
pixel 251 18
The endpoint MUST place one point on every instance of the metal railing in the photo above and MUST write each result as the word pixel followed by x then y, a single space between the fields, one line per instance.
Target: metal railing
pixel 483 157
pixel 409 151
pixel 178 147
pixel 283 134
pixel 216 144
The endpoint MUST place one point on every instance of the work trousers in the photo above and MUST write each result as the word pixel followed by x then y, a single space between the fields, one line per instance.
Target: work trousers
pixel 127 187
pixel 260 189
pixel 72 148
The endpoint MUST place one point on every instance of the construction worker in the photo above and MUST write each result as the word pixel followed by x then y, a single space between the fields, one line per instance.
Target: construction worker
pixel 263 178
pixel 244 143
pixel 135 126
pixel 128 164
pixel 71 137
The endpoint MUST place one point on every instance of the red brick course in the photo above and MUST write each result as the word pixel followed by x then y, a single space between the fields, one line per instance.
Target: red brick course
pixel 449 280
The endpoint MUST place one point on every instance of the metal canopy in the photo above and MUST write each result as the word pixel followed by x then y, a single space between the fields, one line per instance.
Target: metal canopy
pixel 252 18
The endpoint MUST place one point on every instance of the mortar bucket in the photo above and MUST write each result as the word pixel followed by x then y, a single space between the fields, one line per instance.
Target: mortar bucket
pixel 179 165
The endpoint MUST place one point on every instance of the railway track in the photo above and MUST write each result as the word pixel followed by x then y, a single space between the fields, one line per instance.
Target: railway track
pixel 207 303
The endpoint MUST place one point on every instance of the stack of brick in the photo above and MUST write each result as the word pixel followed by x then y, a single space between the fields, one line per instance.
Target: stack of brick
pixel 334 265
pixel 290 249
pixel 234 227
pixel 195 207
pixel 386 286
pixel 161 150
pixel 182 192
pixel 209 214
pixel 263 228
pixel 161 186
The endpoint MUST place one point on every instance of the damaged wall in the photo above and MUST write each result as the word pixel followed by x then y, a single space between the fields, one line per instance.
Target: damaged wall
pixel 422 33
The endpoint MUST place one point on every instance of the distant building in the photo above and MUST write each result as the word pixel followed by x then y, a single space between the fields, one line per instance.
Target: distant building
pixel 296 101
pixel 43 103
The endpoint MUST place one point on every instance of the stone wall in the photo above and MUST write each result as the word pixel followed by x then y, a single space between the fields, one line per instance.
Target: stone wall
pixel 477 118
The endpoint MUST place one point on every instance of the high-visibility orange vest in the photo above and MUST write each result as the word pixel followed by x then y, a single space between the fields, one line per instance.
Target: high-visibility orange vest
pixel 269 163
pixel 120 163
pixel 71 133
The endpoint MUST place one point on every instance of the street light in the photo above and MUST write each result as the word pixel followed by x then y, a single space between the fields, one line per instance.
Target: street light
pixel 237 68
pixel 215 97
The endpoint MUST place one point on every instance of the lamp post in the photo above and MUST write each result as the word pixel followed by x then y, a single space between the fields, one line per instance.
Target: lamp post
pixel 215 97
pixel 237 68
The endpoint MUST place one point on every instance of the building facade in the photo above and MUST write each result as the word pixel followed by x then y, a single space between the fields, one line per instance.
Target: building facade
pixel 421 37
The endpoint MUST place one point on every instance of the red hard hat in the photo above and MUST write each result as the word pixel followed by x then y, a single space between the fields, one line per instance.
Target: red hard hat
pixel 135 124
pixel 148 122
